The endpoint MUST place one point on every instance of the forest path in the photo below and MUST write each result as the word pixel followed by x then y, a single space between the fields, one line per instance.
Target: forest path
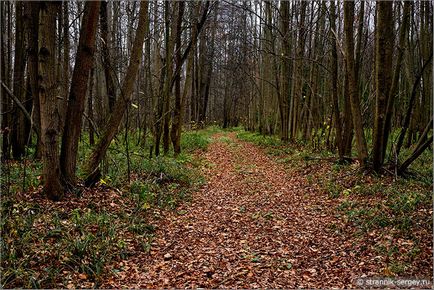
pixel 250 226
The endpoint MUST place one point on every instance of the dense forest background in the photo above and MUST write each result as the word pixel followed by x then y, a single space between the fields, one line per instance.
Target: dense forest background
pixel 346 74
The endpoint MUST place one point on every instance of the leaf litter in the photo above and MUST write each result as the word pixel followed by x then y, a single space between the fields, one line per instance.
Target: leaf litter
pixel 253 225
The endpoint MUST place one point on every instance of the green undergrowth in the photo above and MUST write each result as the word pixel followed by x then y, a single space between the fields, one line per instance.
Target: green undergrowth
pixel 395 213
pixel 294 154
pixel 380 207
pixel 19 176
pixel 164 182
pixel 56 245
pixel 78 241
pixel 117 161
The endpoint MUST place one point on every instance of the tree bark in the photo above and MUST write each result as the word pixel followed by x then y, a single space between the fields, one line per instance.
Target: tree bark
pixel 48 99
pixel 78 91
pixel 383 79
pixel 177 114
pixel 66 61
pixel 90 107
pixel 362 149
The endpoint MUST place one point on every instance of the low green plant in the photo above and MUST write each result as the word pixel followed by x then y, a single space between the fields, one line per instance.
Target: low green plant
pixel 225 139
pixel 334 189
pixel 195 140
pixel 259 139
pixel 20 176
pixel 56 240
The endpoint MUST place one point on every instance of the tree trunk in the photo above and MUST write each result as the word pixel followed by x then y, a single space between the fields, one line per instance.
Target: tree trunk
pixel 48 99
pixel 204 93
pixel 362 150
pixel 268 94
pixel 334 81
pixel 90 107
pixel 66 54
pixel 396 72
pixel 91 169
pixel 410 106
pixel 177 114
pixel 19 135
pixel 383 79
pixel 78 91
pixel 5 104
pixel 415 154
pixel 169 39
pixel 284 96
pixel 298 75
pixel 105 53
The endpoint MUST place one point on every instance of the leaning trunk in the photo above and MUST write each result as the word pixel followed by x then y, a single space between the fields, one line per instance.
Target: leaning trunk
pixel 77 94
pixel 115 118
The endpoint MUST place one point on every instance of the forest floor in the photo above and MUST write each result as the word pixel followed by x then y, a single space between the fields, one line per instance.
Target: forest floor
pixel 239 210
pixel 256 224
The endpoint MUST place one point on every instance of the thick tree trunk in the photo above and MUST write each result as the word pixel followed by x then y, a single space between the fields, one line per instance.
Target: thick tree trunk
pixel 78 91
pixel 177 114
pixel 115 118
pixel 383 79
pixel 170 79
pixel 48 99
